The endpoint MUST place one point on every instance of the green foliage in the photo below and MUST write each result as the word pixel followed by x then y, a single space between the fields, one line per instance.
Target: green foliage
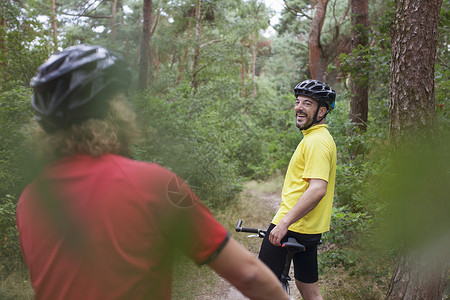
pixel 287 64
pixel 14 113
pixel 291 20
pixel 23 47
pixel 186 136
pixel 344 224
pixel 375 56
pixel 361 203
pixel 416 197
pixel 442 99
pixel 442 71
pixel 9 246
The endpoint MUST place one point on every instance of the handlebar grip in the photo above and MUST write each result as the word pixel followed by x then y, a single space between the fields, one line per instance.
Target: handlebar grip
pixel 239 226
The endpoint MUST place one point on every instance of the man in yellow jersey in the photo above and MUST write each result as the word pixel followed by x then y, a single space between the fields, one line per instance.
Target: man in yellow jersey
pixel 307 195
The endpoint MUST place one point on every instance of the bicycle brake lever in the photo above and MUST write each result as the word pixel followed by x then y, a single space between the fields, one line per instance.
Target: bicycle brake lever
pixel 252 235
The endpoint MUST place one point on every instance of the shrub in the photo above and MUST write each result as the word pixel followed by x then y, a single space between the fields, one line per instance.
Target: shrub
pixel 14 113
pixel 186 136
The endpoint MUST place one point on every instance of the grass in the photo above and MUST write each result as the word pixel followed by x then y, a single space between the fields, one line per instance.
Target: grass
pixel 190 280
pixel 16 286
pixel 339 283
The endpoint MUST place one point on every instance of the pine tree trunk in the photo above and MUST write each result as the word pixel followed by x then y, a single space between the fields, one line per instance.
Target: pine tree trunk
pixel 145 46
pixel 253 49
pixel 418 277
pixel 412 113
pixel 186 51
pixel 198 28
pixel 156 63
pixel 316 65
pixel 359 104
pixel 113 21
pixel 55 32
pixel 3 47
pixel 414 35
pixel 242 69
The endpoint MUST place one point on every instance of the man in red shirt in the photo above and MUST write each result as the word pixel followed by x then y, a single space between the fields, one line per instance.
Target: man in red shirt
pixel 95 224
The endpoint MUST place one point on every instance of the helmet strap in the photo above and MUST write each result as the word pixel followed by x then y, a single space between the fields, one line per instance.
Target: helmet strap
pixel 315 121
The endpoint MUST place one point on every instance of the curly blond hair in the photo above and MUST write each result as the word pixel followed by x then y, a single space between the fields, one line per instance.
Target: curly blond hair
pixel 114 134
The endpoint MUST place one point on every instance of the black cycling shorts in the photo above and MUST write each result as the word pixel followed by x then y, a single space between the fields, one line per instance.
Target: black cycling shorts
pixel 305 263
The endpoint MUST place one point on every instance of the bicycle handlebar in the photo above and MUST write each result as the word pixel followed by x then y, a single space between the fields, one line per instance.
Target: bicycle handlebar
pixel 261 233
pixel 291 244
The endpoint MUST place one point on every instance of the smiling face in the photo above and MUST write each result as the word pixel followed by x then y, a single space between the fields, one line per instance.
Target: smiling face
pixel 305 109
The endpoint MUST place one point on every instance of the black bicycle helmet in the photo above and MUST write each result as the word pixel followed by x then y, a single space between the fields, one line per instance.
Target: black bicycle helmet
pixel 75 84
pixel 316 90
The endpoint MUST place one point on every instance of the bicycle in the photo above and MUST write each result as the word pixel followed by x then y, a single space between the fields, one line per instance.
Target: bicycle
pixel 292 246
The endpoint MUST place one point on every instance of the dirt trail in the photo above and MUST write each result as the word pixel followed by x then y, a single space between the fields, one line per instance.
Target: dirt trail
pixel 225 291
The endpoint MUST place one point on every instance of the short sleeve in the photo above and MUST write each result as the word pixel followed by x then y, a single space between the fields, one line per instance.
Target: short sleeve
pixel 188 224
pixel 318 156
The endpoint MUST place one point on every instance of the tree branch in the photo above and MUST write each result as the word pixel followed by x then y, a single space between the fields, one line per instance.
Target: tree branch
pixel 295 11
pixel 87 8
pixel 86 15
pixel 158 14
pixel 211 42
pixel 442 60
pixel 345 13
pixel 86 12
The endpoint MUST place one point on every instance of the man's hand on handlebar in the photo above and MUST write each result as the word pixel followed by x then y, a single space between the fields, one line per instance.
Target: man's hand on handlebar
pixel 277 234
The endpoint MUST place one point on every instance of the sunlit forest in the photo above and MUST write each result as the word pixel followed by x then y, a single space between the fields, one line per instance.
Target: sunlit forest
pixel 212 82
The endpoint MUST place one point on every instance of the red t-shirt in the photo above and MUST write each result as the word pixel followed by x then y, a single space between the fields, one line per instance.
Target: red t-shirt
pixel 106 228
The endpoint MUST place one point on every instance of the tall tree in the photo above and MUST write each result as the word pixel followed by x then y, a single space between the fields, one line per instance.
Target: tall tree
pixel 145 45
pixel 243 62
pixel 198 31
pixel 359 104
pixel 3 45
pixel 55 32
pixel 113 21
pixel 413 36
pixel 328 34
pixel 316 64
pixel 182 62
pixel 257 13
pixel 412 114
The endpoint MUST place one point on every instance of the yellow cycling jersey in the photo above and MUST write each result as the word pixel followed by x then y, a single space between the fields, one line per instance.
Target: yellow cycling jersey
pixel 314 158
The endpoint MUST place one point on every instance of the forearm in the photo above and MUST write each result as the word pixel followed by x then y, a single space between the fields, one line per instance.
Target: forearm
pixel 261 283
pixel 306 203
pixel 247 273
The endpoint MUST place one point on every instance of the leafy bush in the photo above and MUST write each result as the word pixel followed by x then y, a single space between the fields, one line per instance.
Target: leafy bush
pixel 14 113
pixel 187 137
pixel 214 138
pixel 9 246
